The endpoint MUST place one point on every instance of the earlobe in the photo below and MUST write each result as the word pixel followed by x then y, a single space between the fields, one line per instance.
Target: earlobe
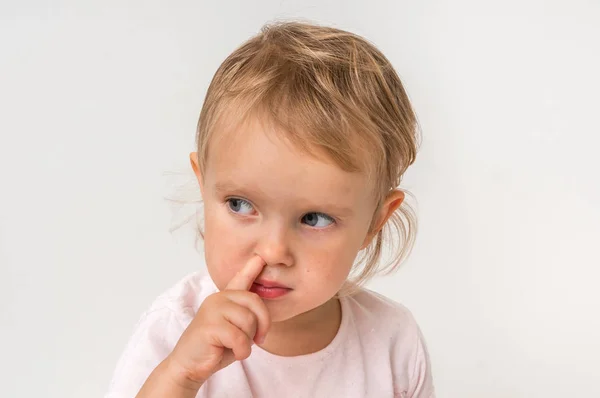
pixel 391 203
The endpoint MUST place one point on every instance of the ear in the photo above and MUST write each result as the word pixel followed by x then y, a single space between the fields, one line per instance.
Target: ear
pixel 391 203
pixel 196 168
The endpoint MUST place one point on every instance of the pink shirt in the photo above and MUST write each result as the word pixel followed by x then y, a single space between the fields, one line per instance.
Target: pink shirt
pixel 378 352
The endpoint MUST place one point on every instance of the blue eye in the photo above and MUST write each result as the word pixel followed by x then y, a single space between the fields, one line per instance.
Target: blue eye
pixel 240 206
pixel 317 220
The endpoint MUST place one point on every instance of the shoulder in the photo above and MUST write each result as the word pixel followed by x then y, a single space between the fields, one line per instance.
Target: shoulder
pixel 388 324
pixel 169 315
pixel 172 311
pixel 157 331
pixel 185 297
pixel 377 311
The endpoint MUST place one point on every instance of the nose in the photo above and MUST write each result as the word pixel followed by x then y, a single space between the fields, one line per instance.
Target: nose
pixel 274 248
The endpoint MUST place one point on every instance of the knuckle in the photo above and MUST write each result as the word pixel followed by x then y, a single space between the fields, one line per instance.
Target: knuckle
pixel 212 299
pixel 250 318
pixel 240 340
pixel 244 354
pixel 256 299
pixel 242 348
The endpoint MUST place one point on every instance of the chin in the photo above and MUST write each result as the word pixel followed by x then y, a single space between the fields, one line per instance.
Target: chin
pixel 281 311
pixel 278 312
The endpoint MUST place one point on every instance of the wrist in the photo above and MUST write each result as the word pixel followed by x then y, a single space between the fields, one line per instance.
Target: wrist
pixel 180 376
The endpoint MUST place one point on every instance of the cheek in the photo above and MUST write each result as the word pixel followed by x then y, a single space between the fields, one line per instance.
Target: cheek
pixel 223 248
pixel 327 268
pixel 328 265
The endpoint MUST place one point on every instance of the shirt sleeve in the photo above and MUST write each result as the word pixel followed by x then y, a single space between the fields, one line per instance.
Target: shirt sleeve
pixel 152 341
pixel 421 380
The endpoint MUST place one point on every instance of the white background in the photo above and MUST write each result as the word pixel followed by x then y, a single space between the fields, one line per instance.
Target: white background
pixel 99 99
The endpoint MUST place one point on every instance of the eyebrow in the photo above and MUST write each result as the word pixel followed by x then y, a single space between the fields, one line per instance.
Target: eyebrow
pixel 229 187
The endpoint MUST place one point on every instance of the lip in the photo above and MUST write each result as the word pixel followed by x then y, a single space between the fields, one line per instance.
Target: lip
pixel 268 283
pixel 268 289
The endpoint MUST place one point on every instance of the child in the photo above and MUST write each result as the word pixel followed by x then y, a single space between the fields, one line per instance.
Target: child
pixel 302 141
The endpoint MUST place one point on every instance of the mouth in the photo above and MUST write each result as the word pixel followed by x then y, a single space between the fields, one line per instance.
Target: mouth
pixel 269 289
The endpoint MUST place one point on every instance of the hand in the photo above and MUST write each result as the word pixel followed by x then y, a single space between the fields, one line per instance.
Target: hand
pixel 223 330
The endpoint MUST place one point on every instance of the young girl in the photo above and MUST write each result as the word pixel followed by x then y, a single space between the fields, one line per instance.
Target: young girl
pixel 303 138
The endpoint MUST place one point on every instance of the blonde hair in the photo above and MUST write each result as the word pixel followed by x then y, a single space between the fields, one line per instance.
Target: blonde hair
pixel 331 90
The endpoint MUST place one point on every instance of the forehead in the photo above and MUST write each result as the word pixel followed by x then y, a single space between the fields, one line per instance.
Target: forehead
pixel 254 155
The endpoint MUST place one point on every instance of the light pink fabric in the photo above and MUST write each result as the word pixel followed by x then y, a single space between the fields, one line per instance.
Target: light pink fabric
pixel 377 352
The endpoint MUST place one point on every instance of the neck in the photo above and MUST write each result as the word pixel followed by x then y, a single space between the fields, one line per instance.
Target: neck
pixel 305 333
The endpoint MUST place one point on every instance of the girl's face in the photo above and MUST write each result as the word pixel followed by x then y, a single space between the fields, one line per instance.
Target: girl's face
pixel 305 217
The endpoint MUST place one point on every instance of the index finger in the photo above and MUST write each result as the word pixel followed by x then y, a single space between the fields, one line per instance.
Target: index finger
pixel 245 277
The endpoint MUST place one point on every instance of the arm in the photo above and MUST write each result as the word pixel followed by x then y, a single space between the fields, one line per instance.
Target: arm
pixel 163 383
pixel 145 359
pixel 167 358
pixel 421 380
